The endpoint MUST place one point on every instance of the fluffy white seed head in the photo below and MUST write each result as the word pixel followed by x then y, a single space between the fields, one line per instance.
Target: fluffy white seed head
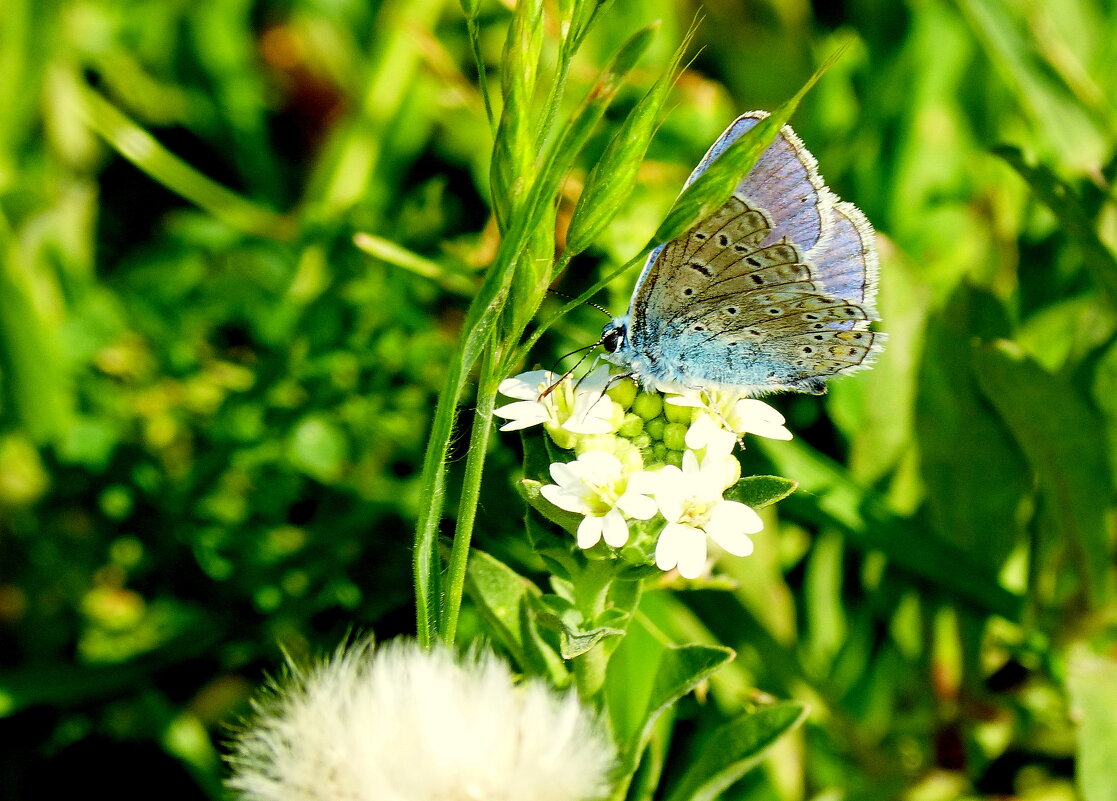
pixel 402 724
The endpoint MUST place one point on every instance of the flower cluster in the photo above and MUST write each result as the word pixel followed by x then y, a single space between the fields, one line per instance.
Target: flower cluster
pixel 657 464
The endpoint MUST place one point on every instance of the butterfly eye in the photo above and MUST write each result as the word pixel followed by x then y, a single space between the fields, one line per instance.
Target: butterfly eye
pixel 611 338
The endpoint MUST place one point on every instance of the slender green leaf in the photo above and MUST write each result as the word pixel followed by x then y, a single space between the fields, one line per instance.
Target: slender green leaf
pixel 680 670
pixel 714 186
pixel 976 479
pixel 1061 436
pixel 1065 204
pixel 736 748
pixel 142 149
pixel 36 386
pixel 614 174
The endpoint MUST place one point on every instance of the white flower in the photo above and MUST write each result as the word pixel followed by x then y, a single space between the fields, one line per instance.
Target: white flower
pixel 579 407
pixel 596 485
pixel 404 724
pixel 729 411
pixel 691 502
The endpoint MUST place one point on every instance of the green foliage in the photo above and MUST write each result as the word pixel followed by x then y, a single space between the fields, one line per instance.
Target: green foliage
pixel 263 266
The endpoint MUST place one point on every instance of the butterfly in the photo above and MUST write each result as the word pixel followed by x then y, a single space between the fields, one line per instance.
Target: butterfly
pixel 773 291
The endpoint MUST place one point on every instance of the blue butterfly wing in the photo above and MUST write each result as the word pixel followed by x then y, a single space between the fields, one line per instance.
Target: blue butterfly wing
pixel 775 290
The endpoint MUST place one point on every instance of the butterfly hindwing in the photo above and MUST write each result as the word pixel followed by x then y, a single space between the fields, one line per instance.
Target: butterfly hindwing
pixel 847 266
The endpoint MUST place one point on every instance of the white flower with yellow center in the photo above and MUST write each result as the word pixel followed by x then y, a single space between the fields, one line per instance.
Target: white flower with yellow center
pixel 722 410
pixel 563 407
pixel 597 486
pixel 691 502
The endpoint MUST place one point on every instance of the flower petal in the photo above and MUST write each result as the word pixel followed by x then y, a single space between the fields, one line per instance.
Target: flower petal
pixel 670 492
pixel 522 410
pixel 701 431
pixel 735 516
pixel 615 528
pixel 527 386
pixel 601 466
pixel 589 531
pixel 667 547
pixel 564 474
pixel 564 499
pixel 595 419
pixel 693 400
pixel 637 506
pixel 752 416
pixel 683 547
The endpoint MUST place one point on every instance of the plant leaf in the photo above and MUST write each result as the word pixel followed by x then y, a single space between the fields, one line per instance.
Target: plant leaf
pixel 681 669
pixel 1061 436
pixel 736 748
pixel 504 599
pixel 761 491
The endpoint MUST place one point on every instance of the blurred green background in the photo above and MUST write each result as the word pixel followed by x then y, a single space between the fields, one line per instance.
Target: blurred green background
pixel 214 402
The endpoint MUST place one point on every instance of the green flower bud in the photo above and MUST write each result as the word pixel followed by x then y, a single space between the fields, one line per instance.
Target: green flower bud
pixel 597 442
pixel 678 414
pixel 674 436
pixel 643 442
pixel 659 452
pixel 655 427
pixel 628 454
pixel 623 392
pixel 648 405
pixel 632 426
pixel 675 458
pixel 563 438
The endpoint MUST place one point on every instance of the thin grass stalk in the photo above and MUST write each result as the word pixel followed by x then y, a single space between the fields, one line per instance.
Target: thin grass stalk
pixel 471 493
pixel 143 150
pixel 473 31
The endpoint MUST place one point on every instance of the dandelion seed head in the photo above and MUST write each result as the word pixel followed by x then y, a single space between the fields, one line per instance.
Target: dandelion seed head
pixel 402 724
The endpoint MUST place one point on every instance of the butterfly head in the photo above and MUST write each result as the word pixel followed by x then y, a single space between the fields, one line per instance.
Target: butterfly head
pixel 614 334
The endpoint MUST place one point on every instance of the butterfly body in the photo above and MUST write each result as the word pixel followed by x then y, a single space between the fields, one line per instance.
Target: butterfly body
pixel 773 291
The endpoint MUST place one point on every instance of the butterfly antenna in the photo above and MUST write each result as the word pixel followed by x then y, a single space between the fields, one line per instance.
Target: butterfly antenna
pixel 568 296
pixel 569 372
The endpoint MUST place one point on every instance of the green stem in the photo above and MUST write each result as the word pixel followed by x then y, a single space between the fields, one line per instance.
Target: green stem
pixel 591 595
pixel 471 491
pixel 426 564
pixel 482 82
